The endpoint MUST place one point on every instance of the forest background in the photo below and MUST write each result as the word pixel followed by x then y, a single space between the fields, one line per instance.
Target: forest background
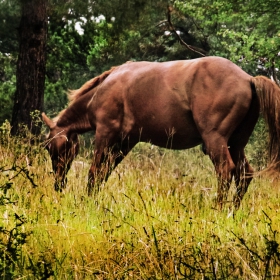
pixel 85 38
pixel 155 217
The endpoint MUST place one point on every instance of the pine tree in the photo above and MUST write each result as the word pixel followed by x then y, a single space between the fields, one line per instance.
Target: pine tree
pixel 31 64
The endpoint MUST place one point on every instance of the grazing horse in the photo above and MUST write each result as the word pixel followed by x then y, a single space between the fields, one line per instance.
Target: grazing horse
pixel 176 105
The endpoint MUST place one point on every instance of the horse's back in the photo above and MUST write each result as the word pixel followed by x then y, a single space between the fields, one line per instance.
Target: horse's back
pixel 216 67
pixel 178 99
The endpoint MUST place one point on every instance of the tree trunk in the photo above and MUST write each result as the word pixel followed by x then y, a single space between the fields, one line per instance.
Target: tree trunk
pixel 31 66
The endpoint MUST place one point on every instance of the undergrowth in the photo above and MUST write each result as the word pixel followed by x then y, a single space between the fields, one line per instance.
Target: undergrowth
pixel 155 218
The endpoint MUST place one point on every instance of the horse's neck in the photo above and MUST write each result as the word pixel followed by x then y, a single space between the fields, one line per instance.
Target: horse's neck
pixel 75 117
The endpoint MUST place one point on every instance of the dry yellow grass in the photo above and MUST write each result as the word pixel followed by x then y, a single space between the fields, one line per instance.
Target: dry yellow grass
pixel 155 218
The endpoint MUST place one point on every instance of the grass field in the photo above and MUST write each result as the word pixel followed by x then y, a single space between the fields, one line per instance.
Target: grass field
pixel 155 218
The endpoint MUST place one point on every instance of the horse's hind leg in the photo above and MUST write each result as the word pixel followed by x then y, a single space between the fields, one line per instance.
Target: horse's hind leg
pixel 218 151
pixel 243 174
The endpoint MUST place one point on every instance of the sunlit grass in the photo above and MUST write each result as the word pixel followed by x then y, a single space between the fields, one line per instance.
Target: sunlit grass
pixel 155 218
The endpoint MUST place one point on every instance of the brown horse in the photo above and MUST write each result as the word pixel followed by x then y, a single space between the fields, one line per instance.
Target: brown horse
pixel 176 105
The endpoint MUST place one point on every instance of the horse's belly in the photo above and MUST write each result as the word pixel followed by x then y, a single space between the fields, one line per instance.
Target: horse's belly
pixel 176 141
pixel 172 137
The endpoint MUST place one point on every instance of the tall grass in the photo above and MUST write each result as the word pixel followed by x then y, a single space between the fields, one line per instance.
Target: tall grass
pixel 155 218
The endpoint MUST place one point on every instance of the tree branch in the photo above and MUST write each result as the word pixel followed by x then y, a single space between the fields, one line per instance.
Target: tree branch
pixel 189 47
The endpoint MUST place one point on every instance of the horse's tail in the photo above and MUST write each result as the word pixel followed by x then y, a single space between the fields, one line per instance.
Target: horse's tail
pixel 269 97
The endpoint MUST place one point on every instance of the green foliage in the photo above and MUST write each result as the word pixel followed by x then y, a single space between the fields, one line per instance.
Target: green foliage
pixel 16 160
pixel 11 244
pixel 55 97
pixel 241 31
pixel 9 21
pixel 7 85
pixel 257 146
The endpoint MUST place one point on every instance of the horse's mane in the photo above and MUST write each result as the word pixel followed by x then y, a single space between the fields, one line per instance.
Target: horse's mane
pixel 73 95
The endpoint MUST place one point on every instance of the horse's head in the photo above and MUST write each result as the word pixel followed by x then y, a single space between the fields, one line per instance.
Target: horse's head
pixel 63 148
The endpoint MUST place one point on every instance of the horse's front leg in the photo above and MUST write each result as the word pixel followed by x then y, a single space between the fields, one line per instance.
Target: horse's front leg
pixel 60 172
pixel 99 170
pixel 104 162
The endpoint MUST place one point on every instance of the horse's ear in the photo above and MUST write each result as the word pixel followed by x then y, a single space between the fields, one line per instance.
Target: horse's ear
pixel 48 121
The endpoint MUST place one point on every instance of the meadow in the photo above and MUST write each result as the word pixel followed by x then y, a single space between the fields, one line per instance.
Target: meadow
pixel 155 218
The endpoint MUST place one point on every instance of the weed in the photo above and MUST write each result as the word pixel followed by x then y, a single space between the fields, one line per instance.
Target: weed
pixel 153 219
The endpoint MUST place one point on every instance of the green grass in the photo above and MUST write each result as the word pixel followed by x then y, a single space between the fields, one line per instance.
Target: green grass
pixel 155 218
